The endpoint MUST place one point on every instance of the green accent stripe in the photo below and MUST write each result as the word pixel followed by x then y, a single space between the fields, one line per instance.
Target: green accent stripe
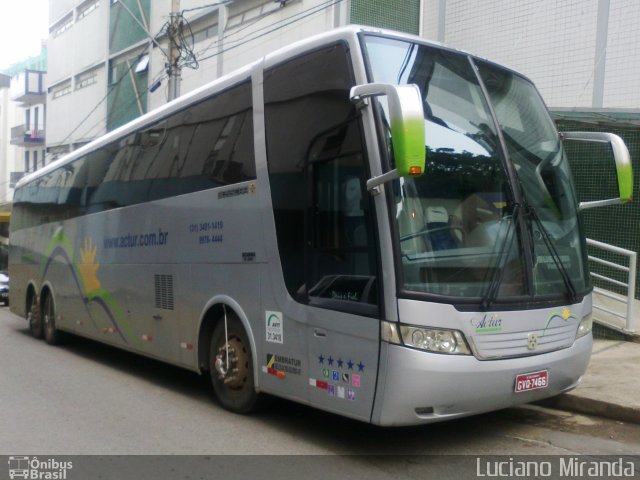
pixel 489 330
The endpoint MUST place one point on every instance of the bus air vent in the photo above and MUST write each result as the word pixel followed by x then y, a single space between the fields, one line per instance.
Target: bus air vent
pixel 164 291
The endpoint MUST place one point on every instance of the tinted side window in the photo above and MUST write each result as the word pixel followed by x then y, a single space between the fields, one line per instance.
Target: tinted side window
pixel 204 146
pixel 317 174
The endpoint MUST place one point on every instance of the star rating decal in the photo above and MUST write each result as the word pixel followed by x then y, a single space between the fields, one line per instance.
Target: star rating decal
pixel 341 381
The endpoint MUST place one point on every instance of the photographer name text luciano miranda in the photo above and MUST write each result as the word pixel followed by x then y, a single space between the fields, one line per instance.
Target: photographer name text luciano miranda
pixel 562 466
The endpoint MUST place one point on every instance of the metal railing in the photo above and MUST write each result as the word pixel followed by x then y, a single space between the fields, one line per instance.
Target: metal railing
pixel 21 136
pixel 630 286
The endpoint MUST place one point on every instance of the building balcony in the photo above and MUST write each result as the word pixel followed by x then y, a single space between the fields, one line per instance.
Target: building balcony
pixel 26 138
pixel 28 87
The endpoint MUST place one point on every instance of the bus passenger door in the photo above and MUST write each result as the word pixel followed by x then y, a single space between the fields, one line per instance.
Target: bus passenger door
pixel 324 229
pixel 342 283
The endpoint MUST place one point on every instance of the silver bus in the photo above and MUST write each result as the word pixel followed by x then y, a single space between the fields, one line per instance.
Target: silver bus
pixel 364 222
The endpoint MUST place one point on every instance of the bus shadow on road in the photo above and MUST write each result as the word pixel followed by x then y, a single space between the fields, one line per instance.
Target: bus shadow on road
pixel 346 436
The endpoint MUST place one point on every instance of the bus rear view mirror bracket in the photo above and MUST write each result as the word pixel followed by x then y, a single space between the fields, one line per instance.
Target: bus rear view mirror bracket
pixel 406 116
pixel 622 158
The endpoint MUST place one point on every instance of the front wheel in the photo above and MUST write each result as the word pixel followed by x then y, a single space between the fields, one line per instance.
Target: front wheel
pixel 232 371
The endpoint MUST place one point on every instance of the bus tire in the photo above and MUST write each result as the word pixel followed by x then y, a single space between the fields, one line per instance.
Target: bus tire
pixel 236 390
pixel 33 317
pixel 51 334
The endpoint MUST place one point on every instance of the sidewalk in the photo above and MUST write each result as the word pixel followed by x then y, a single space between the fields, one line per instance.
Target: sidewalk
pixel 611 386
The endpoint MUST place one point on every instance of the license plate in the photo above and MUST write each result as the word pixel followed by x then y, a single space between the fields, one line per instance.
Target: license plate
pixel 532 381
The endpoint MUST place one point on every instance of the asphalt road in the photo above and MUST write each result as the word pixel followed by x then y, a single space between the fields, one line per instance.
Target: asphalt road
pixel 89 399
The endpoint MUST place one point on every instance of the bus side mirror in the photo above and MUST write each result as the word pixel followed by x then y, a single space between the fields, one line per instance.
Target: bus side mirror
pixel 406 116
pixel 623 165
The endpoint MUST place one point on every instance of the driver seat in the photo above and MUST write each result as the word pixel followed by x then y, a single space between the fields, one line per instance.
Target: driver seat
pixel 438 229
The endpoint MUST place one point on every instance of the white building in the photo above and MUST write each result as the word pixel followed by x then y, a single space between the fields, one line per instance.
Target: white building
pixel 582 54
pixel 22 123
pixel 7 119
pixel 107 58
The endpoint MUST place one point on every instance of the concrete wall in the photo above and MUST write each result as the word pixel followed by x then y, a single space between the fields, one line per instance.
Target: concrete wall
pixel 79 49
pixel 580 53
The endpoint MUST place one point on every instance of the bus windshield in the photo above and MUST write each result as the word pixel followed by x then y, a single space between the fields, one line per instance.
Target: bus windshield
pixel 494 217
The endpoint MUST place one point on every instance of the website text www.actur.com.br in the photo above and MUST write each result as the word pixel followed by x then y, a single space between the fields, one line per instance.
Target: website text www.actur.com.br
pixel 131 240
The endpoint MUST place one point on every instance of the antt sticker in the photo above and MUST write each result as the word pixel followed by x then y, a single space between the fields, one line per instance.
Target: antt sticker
pixel 274 327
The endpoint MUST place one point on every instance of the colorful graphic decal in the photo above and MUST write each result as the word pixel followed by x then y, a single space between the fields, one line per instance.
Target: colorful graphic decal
pixel 565 316
pixel 84 273
pixel 342 374
pixel 533 340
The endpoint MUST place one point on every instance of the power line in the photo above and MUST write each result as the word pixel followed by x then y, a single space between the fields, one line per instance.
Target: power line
pixel 110 89
pixel 243 41
pixel 333 2
pixel 225 2
pixel 303 14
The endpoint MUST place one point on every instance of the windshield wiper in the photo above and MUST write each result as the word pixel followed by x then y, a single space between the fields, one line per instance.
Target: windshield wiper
pixel 573 296
pixel 503 257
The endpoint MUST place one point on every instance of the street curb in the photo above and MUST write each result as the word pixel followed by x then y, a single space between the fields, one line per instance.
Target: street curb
pixel 589 406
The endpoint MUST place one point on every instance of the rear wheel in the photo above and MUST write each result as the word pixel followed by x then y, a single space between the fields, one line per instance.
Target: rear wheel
pixel 51 334
pixel 33 317
pixel 232 371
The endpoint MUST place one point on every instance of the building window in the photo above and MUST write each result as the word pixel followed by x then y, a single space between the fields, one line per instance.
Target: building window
pixel 27 121
pixel 85 79
pixel 35 160
pixel 205 34
pixel 62 26
pixel 26 160
pixel 61 90
pixel 43 155
pixel 113 74
pixel 86 8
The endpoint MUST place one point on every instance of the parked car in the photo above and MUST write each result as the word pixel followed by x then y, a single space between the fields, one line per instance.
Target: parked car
pixel 4 287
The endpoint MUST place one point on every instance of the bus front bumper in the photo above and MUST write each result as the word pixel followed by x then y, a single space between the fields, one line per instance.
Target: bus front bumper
pixel 417 387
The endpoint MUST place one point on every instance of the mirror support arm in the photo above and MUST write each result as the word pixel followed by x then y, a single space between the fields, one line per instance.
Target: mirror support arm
pixel 375 182
pixel 623 165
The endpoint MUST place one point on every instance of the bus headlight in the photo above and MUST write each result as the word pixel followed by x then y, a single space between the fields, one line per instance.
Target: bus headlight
pixel 434 340
pixel 586 324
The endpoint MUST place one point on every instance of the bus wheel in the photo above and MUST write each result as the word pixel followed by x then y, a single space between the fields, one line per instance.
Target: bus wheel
pixel 33 317
pixel 51 334
pixel 231 367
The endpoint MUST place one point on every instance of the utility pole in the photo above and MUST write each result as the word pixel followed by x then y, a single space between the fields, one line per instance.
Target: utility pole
pixel 173 68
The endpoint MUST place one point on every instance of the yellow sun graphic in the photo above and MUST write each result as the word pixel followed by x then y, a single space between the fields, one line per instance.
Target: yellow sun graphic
pixel 88 266
pixel 566 313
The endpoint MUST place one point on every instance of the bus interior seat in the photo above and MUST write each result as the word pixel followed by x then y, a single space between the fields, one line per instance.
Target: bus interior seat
pixel 439 230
